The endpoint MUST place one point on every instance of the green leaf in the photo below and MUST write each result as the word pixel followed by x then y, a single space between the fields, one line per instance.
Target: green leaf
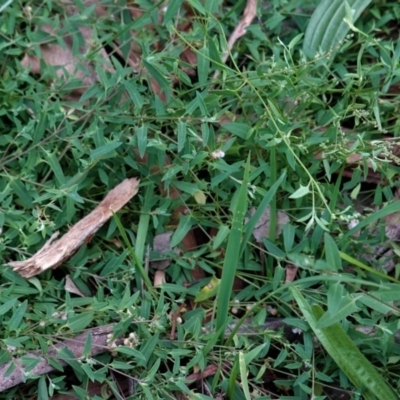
pixel 80 321
pixel 148 348
pixel 129 351
pixel 332 254
pixel 232 252
pixel 172 9
pixel 55 166
pixel 18 316
pixel 181 135
pixel 184 226
pixel 134 94
pixel 159 78
pixel 141 135
pixel 7 306
pixel 223 232
pixel 88 345
pixel 106 151
pixel 327 27
pixel 203 65
pixel 300 192
pixel 345 353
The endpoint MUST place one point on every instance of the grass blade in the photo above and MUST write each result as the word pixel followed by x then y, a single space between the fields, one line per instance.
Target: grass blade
pixel 138 264
pixel 232 252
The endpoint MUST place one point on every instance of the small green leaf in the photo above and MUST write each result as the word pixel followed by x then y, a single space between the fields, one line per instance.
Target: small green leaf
pixel 332 254
pixel 222 234
pixel 88 345
pixel 17 317
pixel 141 135
pixel 80 321
pixel 172 9
pixel 129 351
pixel 203 65
pixel 300 192
pixel 181 135
pixel 134 94
pixel 105 151
pixel 184 226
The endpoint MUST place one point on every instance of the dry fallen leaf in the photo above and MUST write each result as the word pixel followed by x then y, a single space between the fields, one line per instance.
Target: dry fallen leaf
pixel 67 65
pixel 261 230
pixel 71 287
pixel 52 254
pixel 162 245
pixel 291 271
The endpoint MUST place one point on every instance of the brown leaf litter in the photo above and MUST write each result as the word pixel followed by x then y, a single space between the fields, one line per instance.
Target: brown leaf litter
pixel 53 254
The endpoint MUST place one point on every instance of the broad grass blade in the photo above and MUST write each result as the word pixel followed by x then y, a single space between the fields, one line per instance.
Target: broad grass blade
pixel 345 353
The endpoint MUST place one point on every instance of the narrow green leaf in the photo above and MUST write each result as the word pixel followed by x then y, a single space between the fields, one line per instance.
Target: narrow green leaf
pixel 243 375
pixel 345 353
pixel 134 94
pixel 148 348
pixel 141 135
pixel 42 388
pixel 138 263
pixel 387 210
pixel 300 192
pixel 80 321
pixel 88 345
pixel 17 317
pixel 105 151
pixel 181 135
pixel 55 166
pixel 172 9
pixel 203 65
pixel 129 351
pixel 7 306
pixel 159 78
pixel 232 252
pixel 223 232
pixel 184 226
pixel 332 254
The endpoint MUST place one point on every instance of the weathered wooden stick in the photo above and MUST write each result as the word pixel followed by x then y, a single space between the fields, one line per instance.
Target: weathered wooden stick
pixel 52 254
pixel 75 345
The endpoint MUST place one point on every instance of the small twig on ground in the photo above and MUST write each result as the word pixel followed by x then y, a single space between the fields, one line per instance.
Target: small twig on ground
pixel 52 254
pixel 75 345
pixel 248 15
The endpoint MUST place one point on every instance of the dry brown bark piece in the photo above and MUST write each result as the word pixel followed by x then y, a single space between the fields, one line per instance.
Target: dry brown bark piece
pixel 52 254
pixel 249 14
pixel 75 345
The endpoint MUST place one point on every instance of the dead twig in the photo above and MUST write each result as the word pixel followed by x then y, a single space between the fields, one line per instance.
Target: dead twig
pixel 74 345
pixel 52 254
pixel 249 14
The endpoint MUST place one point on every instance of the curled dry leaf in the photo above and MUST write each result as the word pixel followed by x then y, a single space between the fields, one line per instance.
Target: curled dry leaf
pixel 162 245
pixel 52 254
pixel 71 287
